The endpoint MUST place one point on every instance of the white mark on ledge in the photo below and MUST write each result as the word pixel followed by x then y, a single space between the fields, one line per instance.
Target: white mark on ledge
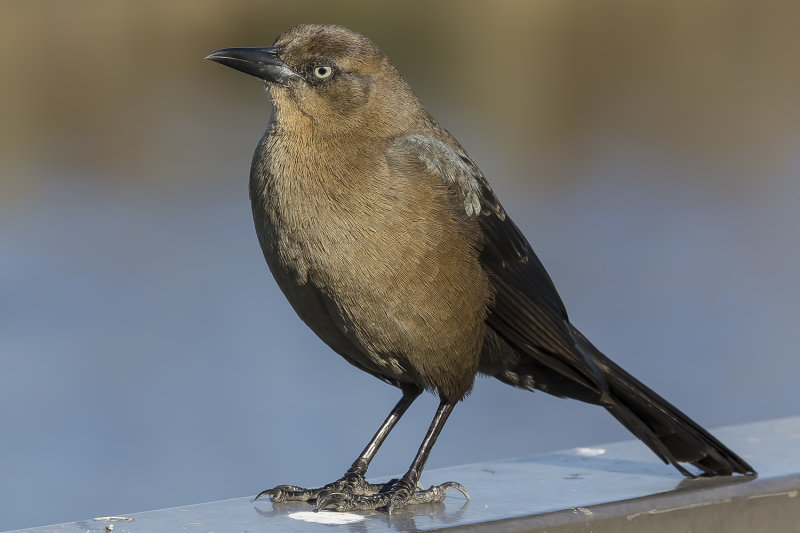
pixel 326 517
pixel 589 452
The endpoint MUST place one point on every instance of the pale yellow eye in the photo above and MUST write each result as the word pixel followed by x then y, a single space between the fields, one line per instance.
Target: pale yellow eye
pixel 323 72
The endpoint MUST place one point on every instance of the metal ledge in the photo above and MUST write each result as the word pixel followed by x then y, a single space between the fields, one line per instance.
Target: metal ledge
pixel 620 487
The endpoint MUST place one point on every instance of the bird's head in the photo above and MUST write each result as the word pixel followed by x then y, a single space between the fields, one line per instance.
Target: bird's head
pixel 329 79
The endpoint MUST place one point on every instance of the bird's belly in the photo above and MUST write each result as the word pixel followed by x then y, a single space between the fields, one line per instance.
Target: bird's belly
pixel 340 308
pixel 398 327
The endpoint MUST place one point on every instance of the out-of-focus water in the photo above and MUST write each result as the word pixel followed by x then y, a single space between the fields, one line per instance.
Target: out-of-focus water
pixel 148 359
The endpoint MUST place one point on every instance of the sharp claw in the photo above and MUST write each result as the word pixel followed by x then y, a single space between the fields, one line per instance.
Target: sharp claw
pixel 271 492
pixel 281 493
pixel 455 485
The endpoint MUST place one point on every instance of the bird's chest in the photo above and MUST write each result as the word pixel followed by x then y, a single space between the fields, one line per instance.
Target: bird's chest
pixel 334 255
pixel 321 221
pixel 309 238
pixel 373 262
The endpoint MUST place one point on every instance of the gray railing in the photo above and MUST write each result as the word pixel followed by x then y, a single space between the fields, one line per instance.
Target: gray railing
pixel 619 487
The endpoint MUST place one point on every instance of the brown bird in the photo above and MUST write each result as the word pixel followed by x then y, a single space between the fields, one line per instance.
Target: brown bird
pixel 392 247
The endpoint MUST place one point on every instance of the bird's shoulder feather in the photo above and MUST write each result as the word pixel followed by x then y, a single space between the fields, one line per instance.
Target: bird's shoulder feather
pixel 446 159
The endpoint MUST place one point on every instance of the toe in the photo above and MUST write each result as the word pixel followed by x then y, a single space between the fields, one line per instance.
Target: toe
pixel 332 501
pixel 287 493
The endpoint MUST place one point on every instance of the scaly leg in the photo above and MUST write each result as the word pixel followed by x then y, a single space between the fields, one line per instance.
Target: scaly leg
pixel 403 491
pixel 353 481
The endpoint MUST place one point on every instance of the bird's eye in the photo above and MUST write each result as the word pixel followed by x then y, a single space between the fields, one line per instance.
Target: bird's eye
pixel 323 72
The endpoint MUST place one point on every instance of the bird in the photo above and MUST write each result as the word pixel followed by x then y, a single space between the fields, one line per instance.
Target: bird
pixel 390 244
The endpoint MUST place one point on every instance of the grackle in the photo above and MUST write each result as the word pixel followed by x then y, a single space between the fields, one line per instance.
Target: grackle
pixel 391 246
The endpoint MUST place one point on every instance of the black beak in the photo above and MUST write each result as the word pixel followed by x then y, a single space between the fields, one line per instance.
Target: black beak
pixel 262 63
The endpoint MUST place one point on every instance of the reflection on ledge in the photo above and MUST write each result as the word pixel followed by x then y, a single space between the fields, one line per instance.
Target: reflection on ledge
pixel 616 487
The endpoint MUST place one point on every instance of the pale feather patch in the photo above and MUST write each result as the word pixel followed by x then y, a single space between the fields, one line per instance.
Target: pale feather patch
pixel 445 162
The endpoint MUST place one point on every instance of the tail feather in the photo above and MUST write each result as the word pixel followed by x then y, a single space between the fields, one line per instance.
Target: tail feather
pixel 673 436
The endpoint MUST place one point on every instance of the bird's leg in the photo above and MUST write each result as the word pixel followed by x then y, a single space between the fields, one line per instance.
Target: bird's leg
pixel 353 481
pixel 402 492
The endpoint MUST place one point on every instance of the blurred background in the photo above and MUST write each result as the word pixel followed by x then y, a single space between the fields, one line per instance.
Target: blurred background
pixel 649 150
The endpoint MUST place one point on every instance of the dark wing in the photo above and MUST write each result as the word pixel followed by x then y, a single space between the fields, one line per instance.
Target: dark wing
pixel 528 315
pixel 527 311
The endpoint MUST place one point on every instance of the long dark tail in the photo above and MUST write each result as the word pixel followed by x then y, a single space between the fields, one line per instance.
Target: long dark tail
pixel 672 435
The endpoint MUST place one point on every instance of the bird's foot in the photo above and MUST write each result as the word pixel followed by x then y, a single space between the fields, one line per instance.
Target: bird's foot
pixel 350 484
pixel 354 493
pixel 394 495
